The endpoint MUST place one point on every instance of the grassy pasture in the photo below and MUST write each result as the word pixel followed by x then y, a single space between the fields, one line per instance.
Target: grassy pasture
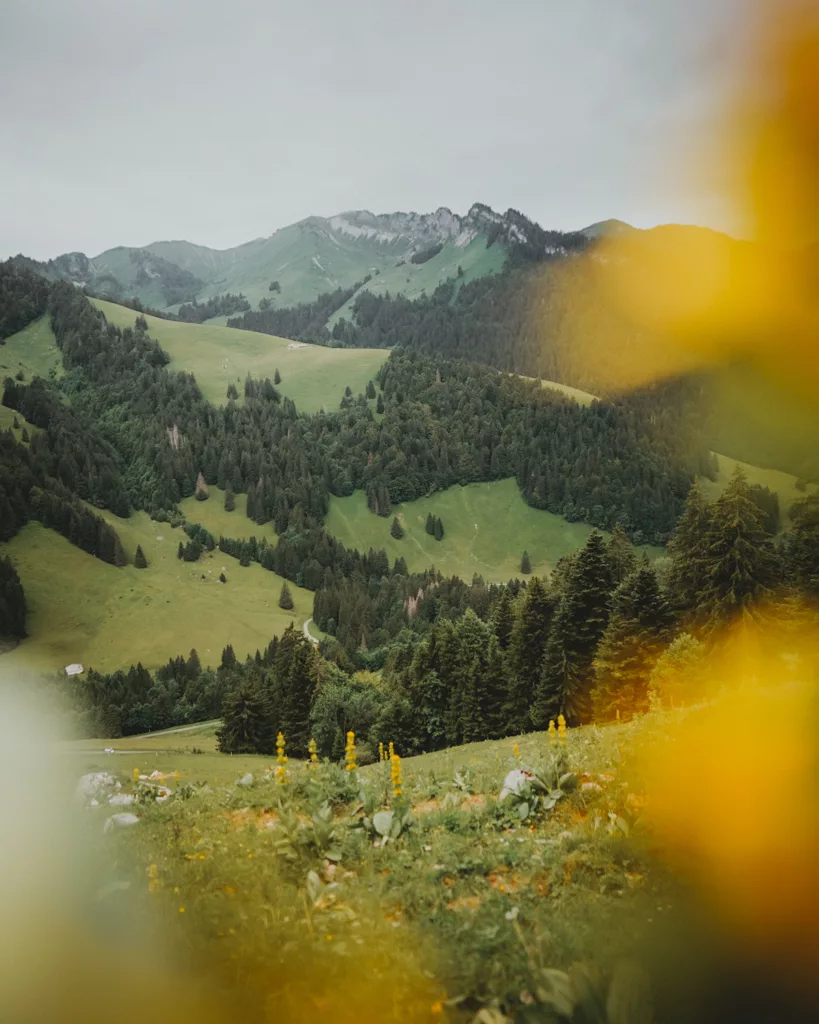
pixel 486 529
pixel 783 484
pixel 32 350
pixel 313 376
pixel 81 609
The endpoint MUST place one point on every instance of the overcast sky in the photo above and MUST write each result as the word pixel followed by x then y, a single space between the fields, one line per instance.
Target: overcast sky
pixel 221 120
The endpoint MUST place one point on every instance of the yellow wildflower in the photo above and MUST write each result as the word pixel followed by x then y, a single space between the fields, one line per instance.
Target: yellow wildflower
pixel 349 752
pixel 561 728
pixel 312 749
pixel 136 774
pixel 395 775
pixel 516 751
pixel 381 755
pixel 281 759
pixel 552 732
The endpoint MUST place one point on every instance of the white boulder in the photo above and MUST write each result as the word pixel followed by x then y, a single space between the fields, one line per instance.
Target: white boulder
pixel 515 782
pixel 120 821
pixel 120 799
pixel 95 784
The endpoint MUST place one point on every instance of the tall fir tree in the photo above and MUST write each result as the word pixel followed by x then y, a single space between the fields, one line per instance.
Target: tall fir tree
pixel 230 499
pixel 296 671
pixel 525 564
pixel 622 559
pixel 503 619
pixel 579 623
pixel 285 597
pixel 743 567
pixel 140 561
pixel 396 530
pixel 629 648
pixel 529 638
pixel 246 721
pixel 688 550
pixel 12 603
pixel 802 547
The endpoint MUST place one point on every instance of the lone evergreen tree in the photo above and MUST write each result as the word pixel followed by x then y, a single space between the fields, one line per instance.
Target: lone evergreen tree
pixel 370 389
pixel 396 530
pixel 285 597
pixel 180 551
pixel 630 647
pixel 802 546
pixel 230 500
pixel 438 529
pixel 621 555
pixel 688 550
pixel 525 564
pixel 742 564
pixel 277 377
pixel 579 623
pixel 140 561
pixel 530 635
pixel 246 721
pixel 430 525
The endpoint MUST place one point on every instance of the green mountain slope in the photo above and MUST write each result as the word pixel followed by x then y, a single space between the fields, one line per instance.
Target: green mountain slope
pixel 313 376
pixel 315 255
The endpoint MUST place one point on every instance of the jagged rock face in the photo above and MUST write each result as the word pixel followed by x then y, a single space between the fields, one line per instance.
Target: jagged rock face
pixel 419 228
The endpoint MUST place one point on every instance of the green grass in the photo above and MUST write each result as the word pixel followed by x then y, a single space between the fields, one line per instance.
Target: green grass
pixel 414 280
pixel 313 376
pixel 81 609
pixel 212 515
pixel 487 527
pixel 32 350
pixel 783 484
pixel 468 902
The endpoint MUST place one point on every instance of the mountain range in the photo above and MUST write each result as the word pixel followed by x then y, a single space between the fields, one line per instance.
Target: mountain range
pixel 403 253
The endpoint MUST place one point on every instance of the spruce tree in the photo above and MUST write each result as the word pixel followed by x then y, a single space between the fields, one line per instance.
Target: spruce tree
pixel 246 721
pixel 529 638
pixel 430 525
pixel 688 550
pixel 438 529
pixel 379 406
pixel 742 564
pixel 12 603
pixel 802 547
pixel 621 555
pixel 503 619
pixel 370 389
pixel 296 671
pixel 230 500
pixel 228 658
pixel 24 436
pixel 285 597
pixel 140 561
pixel 277 377
pixel 396 530
pixel 180 551
pixel 525 564
pixel 630 646
pixel 579 623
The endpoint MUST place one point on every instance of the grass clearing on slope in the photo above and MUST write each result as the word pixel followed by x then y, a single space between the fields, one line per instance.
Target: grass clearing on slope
pixel 81 609
pixel 32 350
pixel 783 484
pixel 415 279
pixel 212 515
pixel 313 376
pixel 487 527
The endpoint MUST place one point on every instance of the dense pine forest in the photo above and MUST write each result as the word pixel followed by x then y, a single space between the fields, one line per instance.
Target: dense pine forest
pixel 458 660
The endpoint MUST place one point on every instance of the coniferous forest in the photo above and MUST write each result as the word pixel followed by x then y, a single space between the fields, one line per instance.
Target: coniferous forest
pixel 459 660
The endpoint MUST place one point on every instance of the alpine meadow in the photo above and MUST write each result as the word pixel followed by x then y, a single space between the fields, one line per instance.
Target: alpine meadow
pixel 410 616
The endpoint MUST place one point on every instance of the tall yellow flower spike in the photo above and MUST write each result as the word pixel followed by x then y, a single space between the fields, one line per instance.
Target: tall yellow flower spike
pixel 349 753
pixel 136 774
pixel 395 775
pixel 281 759
pixel 516 751
pixel 552 732
pixel 561 728
pixel 381 755
pixel 312 750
